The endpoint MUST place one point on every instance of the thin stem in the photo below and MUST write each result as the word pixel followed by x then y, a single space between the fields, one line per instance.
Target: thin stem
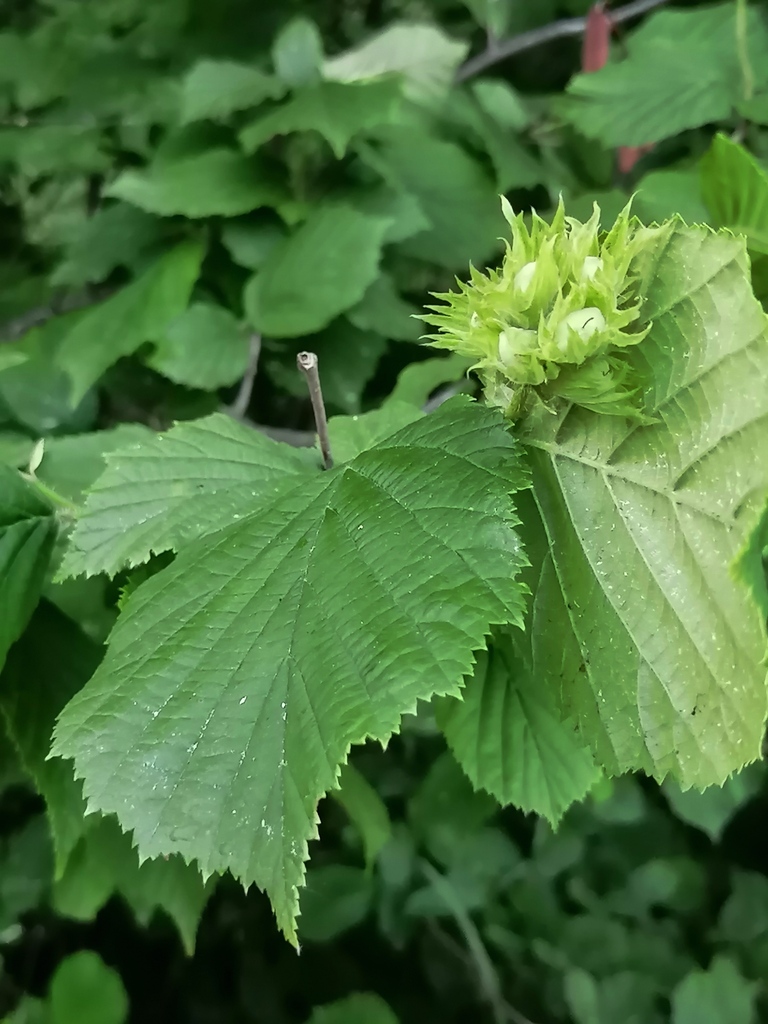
pixel 53 497
pixel 742 49
pixel 239 407
pixel 486 972
pixel 502 49
pixel 307 363
pixel 443 395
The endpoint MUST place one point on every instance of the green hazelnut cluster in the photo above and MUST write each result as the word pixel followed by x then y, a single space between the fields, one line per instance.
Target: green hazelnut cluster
pixel 552 318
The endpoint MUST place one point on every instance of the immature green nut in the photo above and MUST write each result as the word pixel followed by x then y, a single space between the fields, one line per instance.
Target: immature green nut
pixel 590 267
pixel 524 276
pixel 584 322
pixel 554 314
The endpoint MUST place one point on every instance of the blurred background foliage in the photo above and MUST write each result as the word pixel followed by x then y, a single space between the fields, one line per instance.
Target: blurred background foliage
pixel 191 193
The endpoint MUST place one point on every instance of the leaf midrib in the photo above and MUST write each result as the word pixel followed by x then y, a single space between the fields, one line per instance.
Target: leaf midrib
pixel 583 647
pixel 675 504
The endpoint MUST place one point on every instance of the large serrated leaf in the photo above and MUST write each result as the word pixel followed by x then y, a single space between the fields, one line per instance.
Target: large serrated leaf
pixel 324 268
pixel 507 734
pixel 238 677
pixel 27 536
pixel 218 182
pixel 170 489
pixel 637 625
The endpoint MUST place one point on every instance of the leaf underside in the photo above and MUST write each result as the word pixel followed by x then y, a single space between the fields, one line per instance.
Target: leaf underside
pixel 638 627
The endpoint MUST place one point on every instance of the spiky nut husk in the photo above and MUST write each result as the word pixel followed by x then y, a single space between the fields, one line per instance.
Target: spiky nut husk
pixel 556 313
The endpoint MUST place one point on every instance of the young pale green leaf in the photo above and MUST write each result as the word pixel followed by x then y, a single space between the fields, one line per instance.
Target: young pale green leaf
pixel 382 309
pixel 206 347
pixel 360 1008
pixel 418 380
pixel 351 435
pixel 683 70
pixel 735 188
pixel 336 110
pixel 424 55
pixel 72 463
pixel 365 809
pixel 454 190
pixel 215 183
pixel 716 995
pixel 46 668
pixel 140 312
pixel 169 489
pixel 297 53
pixel 238 677
pixel 104 863
pixel 214 89
pixel 27 535
pixel 638 627
pixel 85 991
pixel 506 733
pixel 321 270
